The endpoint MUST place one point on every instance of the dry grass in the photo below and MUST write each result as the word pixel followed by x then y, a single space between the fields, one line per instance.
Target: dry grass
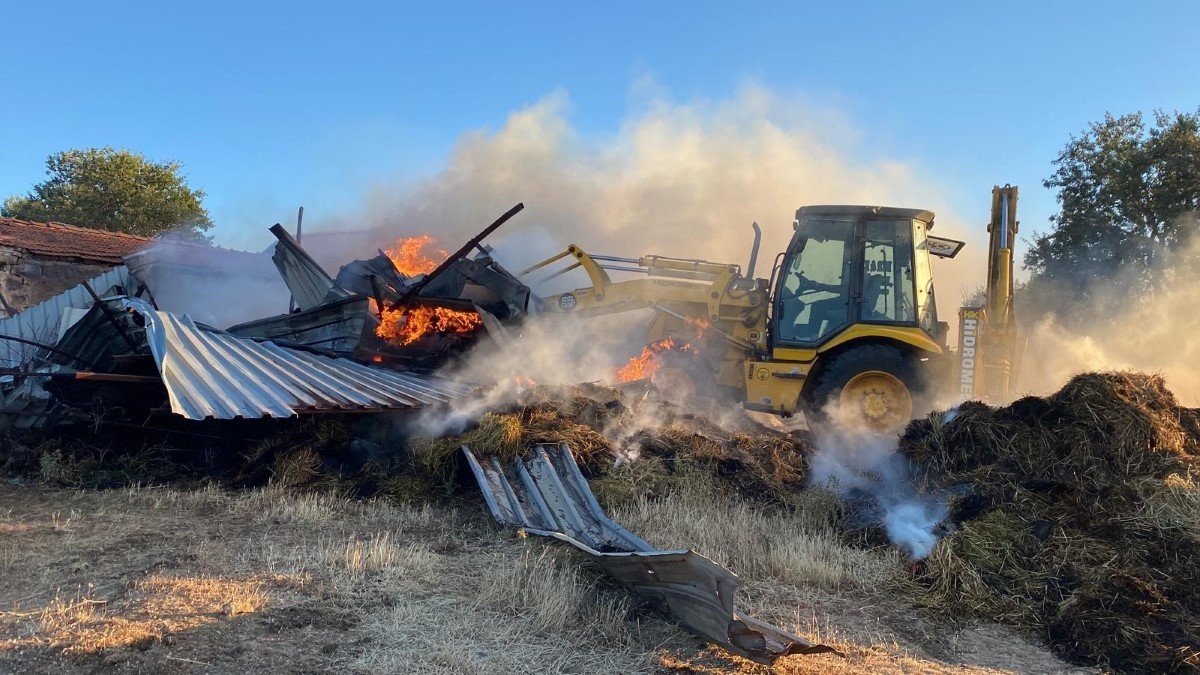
pixel 527 610
pixel 158 606
pixel 331 583
pixel 249 580
pixel 795 546
pixel 356 557
pixel 555 595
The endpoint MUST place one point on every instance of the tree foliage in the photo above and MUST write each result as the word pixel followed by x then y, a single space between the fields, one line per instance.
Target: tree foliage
pixel 1128 193
pixel 115 190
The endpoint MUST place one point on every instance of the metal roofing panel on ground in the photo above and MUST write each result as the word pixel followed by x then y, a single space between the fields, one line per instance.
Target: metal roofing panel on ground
pixel 545 493
pixel 212 374
pixel 41 323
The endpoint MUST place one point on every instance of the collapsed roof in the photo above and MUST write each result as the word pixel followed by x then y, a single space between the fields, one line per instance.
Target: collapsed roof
pixel 328 355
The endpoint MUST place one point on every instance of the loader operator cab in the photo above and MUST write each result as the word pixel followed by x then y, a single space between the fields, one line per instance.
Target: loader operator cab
pixel 853 307
pixel 854 264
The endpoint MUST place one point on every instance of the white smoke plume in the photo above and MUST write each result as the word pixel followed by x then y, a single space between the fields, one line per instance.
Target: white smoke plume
pixel 681 179
pixel 558 350
pixel 864 469
pixel 215 286
pixel 1123 328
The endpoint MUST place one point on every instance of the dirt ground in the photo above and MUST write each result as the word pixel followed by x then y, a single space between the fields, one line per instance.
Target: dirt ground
pixel 204 580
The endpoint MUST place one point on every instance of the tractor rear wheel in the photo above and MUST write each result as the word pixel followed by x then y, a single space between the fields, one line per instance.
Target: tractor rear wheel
pixel 877 386
pixel 682 375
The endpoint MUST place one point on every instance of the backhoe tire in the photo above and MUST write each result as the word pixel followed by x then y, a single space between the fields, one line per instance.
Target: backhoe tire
pixel 873 387
pixel 683 375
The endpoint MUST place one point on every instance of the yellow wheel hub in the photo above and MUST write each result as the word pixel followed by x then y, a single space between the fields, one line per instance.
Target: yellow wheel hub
pixel 880 398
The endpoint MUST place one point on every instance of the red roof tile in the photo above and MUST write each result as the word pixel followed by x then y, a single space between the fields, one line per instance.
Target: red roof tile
pixel 68 241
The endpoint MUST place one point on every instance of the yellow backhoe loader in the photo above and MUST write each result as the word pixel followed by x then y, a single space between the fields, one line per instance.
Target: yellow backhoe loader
pixel 847 316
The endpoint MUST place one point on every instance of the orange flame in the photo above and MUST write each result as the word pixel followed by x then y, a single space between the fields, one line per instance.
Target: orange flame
pixel 407 325
pixel 415 255
pixel 645 365
pixel 700 324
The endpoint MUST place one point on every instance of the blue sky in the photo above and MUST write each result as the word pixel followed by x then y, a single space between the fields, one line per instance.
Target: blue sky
pixel 273 105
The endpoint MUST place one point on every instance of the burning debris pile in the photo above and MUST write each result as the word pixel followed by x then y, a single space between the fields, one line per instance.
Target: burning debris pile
pixel 368 341
pixel 413 259
pixel 646 365
pixel 401 308
pixel 1077 515
pixel 629 452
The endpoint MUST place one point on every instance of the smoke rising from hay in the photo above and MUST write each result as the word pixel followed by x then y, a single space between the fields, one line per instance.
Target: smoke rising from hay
pixel 1122 327
pixel 552 350
pixel 681 179
pixel 864 470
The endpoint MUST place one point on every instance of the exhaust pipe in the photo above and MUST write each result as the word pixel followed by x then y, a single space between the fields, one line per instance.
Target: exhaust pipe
pixel 754 250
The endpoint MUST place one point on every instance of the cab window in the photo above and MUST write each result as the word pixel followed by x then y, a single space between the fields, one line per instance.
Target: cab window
pixel 888 282
pixel 815 295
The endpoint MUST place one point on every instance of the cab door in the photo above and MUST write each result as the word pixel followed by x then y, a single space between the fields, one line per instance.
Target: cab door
pixel 888 277
pixel 813 296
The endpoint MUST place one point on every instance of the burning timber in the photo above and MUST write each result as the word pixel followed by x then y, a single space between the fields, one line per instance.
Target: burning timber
pixel 399 308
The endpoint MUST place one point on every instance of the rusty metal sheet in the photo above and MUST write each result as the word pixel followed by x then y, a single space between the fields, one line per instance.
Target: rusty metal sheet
pixel 544 493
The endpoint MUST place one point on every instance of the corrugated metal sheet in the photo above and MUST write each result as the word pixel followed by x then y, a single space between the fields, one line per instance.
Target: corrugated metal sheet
pixel 309 283
pixel 545 493
pixel 210 374
pixel 41 323
pixel 96 341
pixel 337 326
pixel 214 374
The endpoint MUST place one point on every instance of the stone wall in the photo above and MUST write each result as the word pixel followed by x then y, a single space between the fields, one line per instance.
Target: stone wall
pixel 27 279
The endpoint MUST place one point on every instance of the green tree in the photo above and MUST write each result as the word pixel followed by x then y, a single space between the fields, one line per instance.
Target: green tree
pixel 1127 192
pixel 115 190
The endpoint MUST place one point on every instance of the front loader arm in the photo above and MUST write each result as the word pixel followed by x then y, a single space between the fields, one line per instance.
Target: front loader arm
pixel 710 305
pixel 694 288
pixel 689 299
pixel 989 355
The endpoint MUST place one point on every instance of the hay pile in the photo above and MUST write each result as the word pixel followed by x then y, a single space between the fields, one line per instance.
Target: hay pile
pixel 1078 515
pixel 629 450
pixel 628 447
